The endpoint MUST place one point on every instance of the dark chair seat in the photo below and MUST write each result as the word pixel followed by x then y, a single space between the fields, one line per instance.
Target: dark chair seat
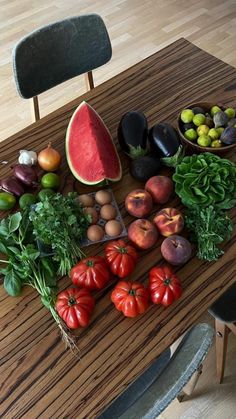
pixel 224 308
pixel 135 390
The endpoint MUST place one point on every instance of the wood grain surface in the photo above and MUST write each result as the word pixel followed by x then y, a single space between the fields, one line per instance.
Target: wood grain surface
pixel 39 377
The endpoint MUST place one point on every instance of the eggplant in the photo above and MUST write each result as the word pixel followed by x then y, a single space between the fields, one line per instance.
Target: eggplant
pixel 12 185
pixel 26 174
pixel 145 167
pixel 133 133
pixel 163 139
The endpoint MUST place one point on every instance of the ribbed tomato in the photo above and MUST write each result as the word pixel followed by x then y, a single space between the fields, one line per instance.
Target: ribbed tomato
pixel 91 273
pixel 121 258
pixel 164 286
pixel 130 297
pixel 75 307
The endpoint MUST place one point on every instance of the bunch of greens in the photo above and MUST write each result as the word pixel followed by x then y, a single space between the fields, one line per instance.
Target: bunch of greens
pixel 206 185
pixel 60 222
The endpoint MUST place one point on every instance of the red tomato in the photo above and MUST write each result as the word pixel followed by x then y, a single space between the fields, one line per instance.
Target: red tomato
pixel 130 297
pixel 121 258
pixel 164 286
pixel 75 307
pixel 91 273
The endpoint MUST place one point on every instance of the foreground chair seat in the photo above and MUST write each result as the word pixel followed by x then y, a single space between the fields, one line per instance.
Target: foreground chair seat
pixel 165 379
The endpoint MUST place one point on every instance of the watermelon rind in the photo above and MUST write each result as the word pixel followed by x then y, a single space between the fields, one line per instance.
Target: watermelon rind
pixel 102 180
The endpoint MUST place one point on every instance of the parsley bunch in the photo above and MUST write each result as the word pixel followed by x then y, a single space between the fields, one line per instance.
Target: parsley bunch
pixel 60 222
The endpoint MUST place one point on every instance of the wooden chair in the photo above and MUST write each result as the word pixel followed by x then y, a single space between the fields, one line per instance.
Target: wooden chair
pixel 165 379
pixel 224 312
pixel 58 52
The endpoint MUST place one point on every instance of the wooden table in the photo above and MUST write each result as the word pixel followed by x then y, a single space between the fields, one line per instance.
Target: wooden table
pixel 39 378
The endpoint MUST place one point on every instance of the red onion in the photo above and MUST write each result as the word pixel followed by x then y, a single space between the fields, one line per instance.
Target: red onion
pixel 26 174
pixel 12 185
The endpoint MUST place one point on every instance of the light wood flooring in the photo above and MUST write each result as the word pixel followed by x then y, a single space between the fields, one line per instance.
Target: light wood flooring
pixel 137 29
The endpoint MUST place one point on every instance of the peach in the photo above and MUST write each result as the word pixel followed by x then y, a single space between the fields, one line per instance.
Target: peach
pixel 176 250
pixel 169 221
pixel 143 233
pixel 138 203
pixel 160 188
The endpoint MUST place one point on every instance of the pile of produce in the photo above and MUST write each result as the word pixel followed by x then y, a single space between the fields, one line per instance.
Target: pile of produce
pixel 214 129
pixel 206 185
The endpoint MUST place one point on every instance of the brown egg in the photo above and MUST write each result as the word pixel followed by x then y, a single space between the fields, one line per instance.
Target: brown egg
pixel 92 211
pixel 86 200
pixel 95 233
pixel 113 228
pixel 103 197
pixel 108 212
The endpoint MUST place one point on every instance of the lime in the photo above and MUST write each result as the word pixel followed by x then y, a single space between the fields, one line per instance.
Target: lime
pixel 214 134
pixel 204 140
pixel 203 130
pixel 51 181
pixel 190 134
pixel 26 200
pixel 214 110
pixel 199 119
pixel 230 112
pixel 220 130
pixel 216 144
pixel 45 193
pixel 187 116
pixel 7 201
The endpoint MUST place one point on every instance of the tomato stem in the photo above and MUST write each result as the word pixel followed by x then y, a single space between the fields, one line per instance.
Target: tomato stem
pixel 167 281
pixel 122 250
pixel 132 292
pixel 71 301
pixel 90 263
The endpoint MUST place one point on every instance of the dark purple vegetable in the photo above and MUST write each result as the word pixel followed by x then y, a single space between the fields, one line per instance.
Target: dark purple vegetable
pixel 228 136
pixel 12 185
pixel 26 174
pixel 185 127
pixel 145 167
pixel 164 140
pixel 197 110
pixel 132 134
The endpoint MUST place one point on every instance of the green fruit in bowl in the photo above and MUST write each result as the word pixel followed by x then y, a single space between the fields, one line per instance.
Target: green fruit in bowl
pixel 203 130
pixel 199 119
pixel 186 116
pixel 220 130
pixel 190 134
pixel 214 134
pixel 216 144
pixel 230 112
pixel 204 141
pixel 214 110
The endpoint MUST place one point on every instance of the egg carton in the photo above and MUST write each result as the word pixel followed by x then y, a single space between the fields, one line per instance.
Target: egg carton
pixel 86 242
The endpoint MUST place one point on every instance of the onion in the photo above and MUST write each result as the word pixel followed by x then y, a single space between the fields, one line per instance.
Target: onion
pixel 26 174
pixel 49 159
pixel 12 185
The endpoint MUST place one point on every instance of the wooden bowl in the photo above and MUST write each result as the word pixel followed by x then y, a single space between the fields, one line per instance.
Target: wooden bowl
pixel 194 146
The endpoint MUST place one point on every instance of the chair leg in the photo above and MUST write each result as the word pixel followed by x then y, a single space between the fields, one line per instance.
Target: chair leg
pixel 89 80
pixel 222 332
pixel 188 389
pixel 35 109
pixel 232 327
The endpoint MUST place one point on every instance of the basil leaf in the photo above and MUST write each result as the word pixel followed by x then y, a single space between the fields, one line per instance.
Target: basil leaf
pixel 14 222
pixel 12 283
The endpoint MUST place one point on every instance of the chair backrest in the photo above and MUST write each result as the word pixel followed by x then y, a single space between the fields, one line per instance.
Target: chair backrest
pixel 58 52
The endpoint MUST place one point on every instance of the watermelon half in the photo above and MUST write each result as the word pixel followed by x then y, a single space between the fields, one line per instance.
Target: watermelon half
pixel 90 151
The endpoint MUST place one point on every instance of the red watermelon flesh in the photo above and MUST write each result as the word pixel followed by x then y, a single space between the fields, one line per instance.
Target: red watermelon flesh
pixel 91 153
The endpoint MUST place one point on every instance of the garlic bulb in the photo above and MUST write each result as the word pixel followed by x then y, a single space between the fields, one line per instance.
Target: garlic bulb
pixel 27 157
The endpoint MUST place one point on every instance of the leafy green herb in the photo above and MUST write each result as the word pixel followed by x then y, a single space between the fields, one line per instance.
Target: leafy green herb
pixel 206 179
pixel 209 227
pixel 60 222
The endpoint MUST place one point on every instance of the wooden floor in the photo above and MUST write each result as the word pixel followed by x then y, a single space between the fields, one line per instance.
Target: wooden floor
pixel 137 29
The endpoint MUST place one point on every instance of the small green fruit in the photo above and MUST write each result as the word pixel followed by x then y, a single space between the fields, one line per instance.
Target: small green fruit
pixel 45 193
pixel 214 110
pixel 220 130
pixel 230 112
pixel 50 181
pixel 203 130
pixel 199 119
pixel 190 134
pixel 216 144
pixel 204 141
pixel 214 134
pixel 26 200
pixel 7 201
pixel 186 116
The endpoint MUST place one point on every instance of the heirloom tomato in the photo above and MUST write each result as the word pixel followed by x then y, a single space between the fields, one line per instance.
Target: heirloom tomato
pixel 164 286
pixel 130 297
pixel 121 258
pixel 91 273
